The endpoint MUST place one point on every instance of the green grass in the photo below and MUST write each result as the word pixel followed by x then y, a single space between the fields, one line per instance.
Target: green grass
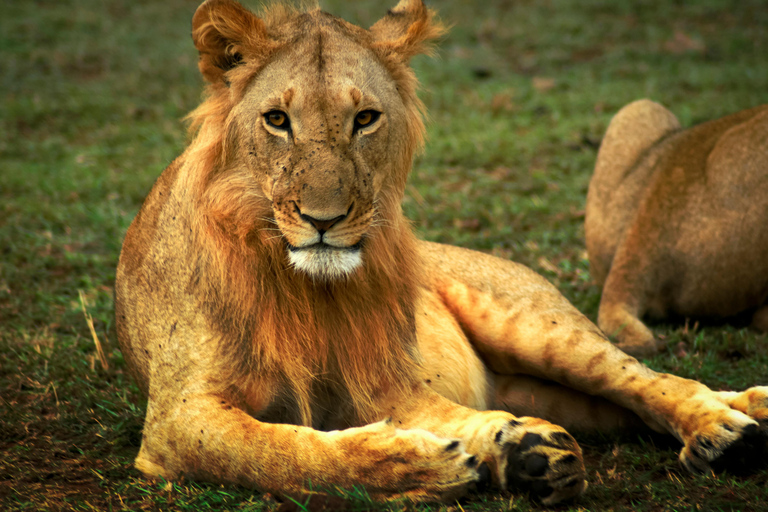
pixel 520 95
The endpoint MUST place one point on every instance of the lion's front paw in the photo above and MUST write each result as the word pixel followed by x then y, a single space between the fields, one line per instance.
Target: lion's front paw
pixel 543 458
pixel 734 438
pixel 417 464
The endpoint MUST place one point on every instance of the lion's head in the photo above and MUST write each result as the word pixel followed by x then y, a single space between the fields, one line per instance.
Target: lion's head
pixel 292 186
pixel 320 122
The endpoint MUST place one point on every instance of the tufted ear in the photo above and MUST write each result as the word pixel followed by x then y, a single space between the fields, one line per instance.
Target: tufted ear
pixel 225 33
pixel 408 29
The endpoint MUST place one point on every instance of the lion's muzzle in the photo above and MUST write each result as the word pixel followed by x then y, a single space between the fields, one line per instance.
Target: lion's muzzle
pixel 325 261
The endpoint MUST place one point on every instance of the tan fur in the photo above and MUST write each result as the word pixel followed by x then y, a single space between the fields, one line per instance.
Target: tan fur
pixel 251 355
pixel 676 220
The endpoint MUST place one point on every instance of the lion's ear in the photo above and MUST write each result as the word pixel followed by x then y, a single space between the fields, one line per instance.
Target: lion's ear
pixel 225 32
pixel 408 29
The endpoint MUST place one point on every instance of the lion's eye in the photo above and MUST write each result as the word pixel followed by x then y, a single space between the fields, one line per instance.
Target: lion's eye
pixel 277 119
pixel 366 118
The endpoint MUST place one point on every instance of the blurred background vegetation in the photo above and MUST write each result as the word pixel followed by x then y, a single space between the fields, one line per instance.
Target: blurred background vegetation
pixel 520 93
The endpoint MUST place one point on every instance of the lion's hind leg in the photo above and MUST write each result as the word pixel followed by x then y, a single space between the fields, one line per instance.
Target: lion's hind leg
pixel 520 324
pixel 525 395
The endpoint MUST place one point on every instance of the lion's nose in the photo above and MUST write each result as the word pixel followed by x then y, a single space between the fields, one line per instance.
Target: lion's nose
pixel 322 225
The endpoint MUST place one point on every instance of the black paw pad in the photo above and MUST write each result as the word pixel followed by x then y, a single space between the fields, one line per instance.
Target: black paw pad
pixel 536 465
pixel 523 467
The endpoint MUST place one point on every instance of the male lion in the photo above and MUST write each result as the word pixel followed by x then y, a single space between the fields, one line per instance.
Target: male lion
pixel 677 220
pixel 289 330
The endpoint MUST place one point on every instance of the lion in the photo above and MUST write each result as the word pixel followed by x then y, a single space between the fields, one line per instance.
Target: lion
pixel 292 334
pixel 677 221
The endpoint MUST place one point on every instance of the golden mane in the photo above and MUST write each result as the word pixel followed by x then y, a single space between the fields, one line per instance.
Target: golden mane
pixel 286 325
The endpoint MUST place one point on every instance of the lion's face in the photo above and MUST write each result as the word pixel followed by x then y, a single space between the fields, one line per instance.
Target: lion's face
pixel 321 119
pixel 320 125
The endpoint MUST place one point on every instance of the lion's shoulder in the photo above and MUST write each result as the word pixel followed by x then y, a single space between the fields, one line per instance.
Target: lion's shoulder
pixel 141 233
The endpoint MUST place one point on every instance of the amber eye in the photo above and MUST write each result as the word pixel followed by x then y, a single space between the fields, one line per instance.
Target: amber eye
pixel 366 118
pixel 277 119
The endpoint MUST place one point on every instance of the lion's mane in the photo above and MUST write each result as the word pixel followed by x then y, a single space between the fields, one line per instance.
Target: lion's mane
pixel 288 326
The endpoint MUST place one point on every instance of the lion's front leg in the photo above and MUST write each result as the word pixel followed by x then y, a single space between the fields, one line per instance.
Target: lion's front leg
pixel 527 454
pixel 208 438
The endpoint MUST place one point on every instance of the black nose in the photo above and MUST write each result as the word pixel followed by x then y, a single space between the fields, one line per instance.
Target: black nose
pixel 323 225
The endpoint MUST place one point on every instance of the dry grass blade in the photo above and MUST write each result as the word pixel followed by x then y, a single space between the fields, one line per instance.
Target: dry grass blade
pixel 96 341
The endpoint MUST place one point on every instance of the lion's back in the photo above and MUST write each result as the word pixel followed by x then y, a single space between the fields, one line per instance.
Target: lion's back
pixel 696 217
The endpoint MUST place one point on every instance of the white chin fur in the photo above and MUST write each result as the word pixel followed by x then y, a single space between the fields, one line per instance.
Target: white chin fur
pixel 325 262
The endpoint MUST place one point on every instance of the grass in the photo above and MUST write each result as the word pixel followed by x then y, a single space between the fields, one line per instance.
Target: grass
pixel 520 95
